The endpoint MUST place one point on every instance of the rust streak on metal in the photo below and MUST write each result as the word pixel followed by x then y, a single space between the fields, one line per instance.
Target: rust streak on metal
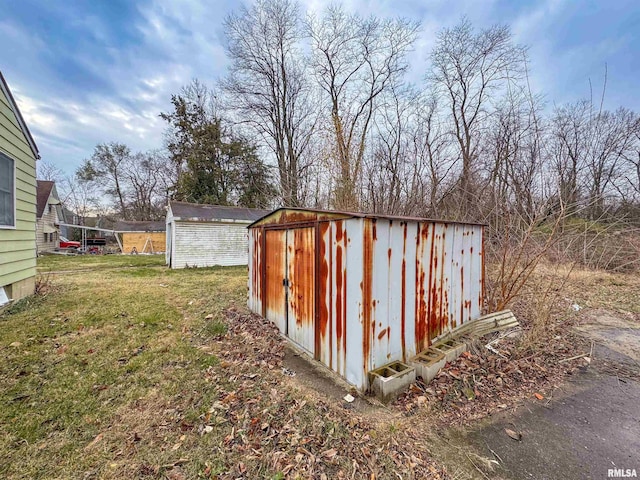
pixel 341 287
pixel 275 269
pixel 481 300
pixel 461 295
pixel 386 331
pixel 344 300
pixel 403 307
pixel 339 298
pixel 420 302
pixel 329 301
pixel 263 272
pixel 368 327
pixel 323 295
pixel 443 297
pixel 433 291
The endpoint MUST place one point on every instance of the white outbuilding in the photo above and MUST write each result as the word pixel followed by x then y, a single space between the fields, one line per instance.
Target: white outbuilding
pixel 208 235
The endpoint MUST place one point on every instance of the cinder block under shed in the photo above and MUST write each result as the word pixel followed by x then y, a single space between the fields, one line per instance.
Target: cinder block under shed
pixel 451 349
pixel 389 381
pixel 428 363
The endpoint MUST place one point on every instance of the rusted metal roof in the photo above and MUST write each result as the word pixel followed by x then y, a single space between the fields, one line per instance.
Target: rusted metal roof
pixel 285 215
pixel 195 212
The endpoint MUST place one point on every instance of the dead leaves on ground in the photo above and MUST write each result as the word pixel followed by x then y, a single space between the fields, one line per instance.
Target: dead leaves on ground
pixel 267 429
pixel 481 383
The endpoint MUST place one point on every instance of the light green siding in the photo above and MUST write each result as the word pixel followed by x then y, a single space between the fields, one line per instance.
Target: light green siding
pixel 17 246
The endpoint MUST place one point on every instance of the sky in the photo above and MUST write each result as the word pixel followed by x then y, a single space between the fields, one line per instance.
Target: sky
pixel 92 71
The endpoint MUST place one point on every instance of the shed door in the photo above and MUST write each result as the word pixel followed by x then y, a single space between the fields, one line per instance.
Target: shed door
pixel 276 274
pixel 301 280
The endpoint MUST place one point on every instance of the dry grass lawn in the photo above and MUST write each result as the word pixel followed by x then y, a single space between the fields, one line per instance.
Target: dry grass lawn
pixel 122 368
pixel 125 369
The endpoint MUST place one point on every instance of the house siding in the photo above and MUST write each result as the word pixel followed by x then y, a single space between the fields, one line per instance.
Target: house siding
pixel 48 219
pixel 17 245
pixel 208 244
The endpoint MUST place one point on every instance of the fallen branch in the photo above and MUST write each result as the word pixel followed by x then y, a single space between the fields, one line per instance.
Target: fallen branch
pixel 574 358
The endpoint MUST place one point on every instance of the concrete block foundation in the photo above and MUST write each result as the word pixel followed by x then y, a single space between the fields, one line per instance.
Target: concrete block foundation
pixel 389 381
pixel 451 349
pixel 428 363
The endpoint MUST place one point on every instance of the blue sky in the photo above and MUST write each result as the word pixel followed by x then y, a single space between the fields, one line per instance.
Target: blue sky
pixel 90 71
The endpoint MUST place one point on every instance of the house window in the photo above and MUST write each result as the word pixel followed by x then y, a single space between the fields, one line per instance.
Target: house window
pixel 7 192
pixel 46 237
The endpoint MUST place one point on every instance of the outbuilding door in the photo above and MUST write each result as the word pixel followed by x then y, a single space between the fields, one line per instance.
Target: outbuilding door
pixel 276 278
pixel 290 283
pixel 301 287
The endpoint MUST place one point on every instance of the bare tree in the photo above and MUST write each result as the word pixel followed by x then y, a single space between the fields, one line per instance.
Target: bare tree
pixel 468 68
pixel 48 171
pixel 411 159
pixel 588 150
pixel 611 136
pixel 512 152
pixel 355 60
pixel 268 87
pixel 148 177
pixel 79 196
pixel 628 184
pixel 107 164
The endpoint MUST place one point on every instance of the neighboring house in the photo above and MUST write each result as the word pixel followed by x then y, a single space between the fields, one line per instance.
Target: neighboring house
pixel 18 155
pixel 145 237
pixel 49 216
pixel 71 218
pixel 208 235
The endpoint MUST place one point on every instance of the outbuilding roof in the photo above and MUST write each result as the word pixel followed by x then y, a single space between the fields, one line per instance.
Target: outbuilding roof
pixel 296 214
pixel 196 212
pixel 139 226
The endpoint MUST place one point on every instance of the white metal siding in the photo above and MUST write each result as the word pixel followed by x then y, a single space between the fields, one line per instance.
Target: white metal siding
pixel 203 244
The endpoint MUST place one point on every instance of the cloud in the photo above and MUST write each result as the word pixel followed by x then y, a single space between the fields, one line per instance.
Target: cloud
pixel 90 72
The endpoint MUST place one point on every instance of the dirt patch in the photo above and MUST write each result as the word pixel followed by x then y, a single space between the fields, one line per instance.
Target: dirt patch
pixel 616 331
pixel 320 382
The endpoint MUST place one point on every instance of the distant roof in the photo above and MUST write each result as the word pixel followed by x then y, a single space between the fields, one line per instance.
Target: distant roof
pixel 329 214
pixel 209 213
pixel 122 226
pixel 4 86
pixel 43 190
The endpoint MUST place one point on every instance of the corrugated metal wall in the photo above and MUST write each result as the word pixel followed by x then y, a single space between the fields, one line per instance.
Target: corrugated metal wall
pixel 384 288
pixel 204 244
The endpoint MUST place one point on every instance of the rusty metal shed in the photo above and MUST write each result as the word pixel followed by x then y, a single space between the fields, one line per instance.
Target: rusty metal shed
pixel 358 291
